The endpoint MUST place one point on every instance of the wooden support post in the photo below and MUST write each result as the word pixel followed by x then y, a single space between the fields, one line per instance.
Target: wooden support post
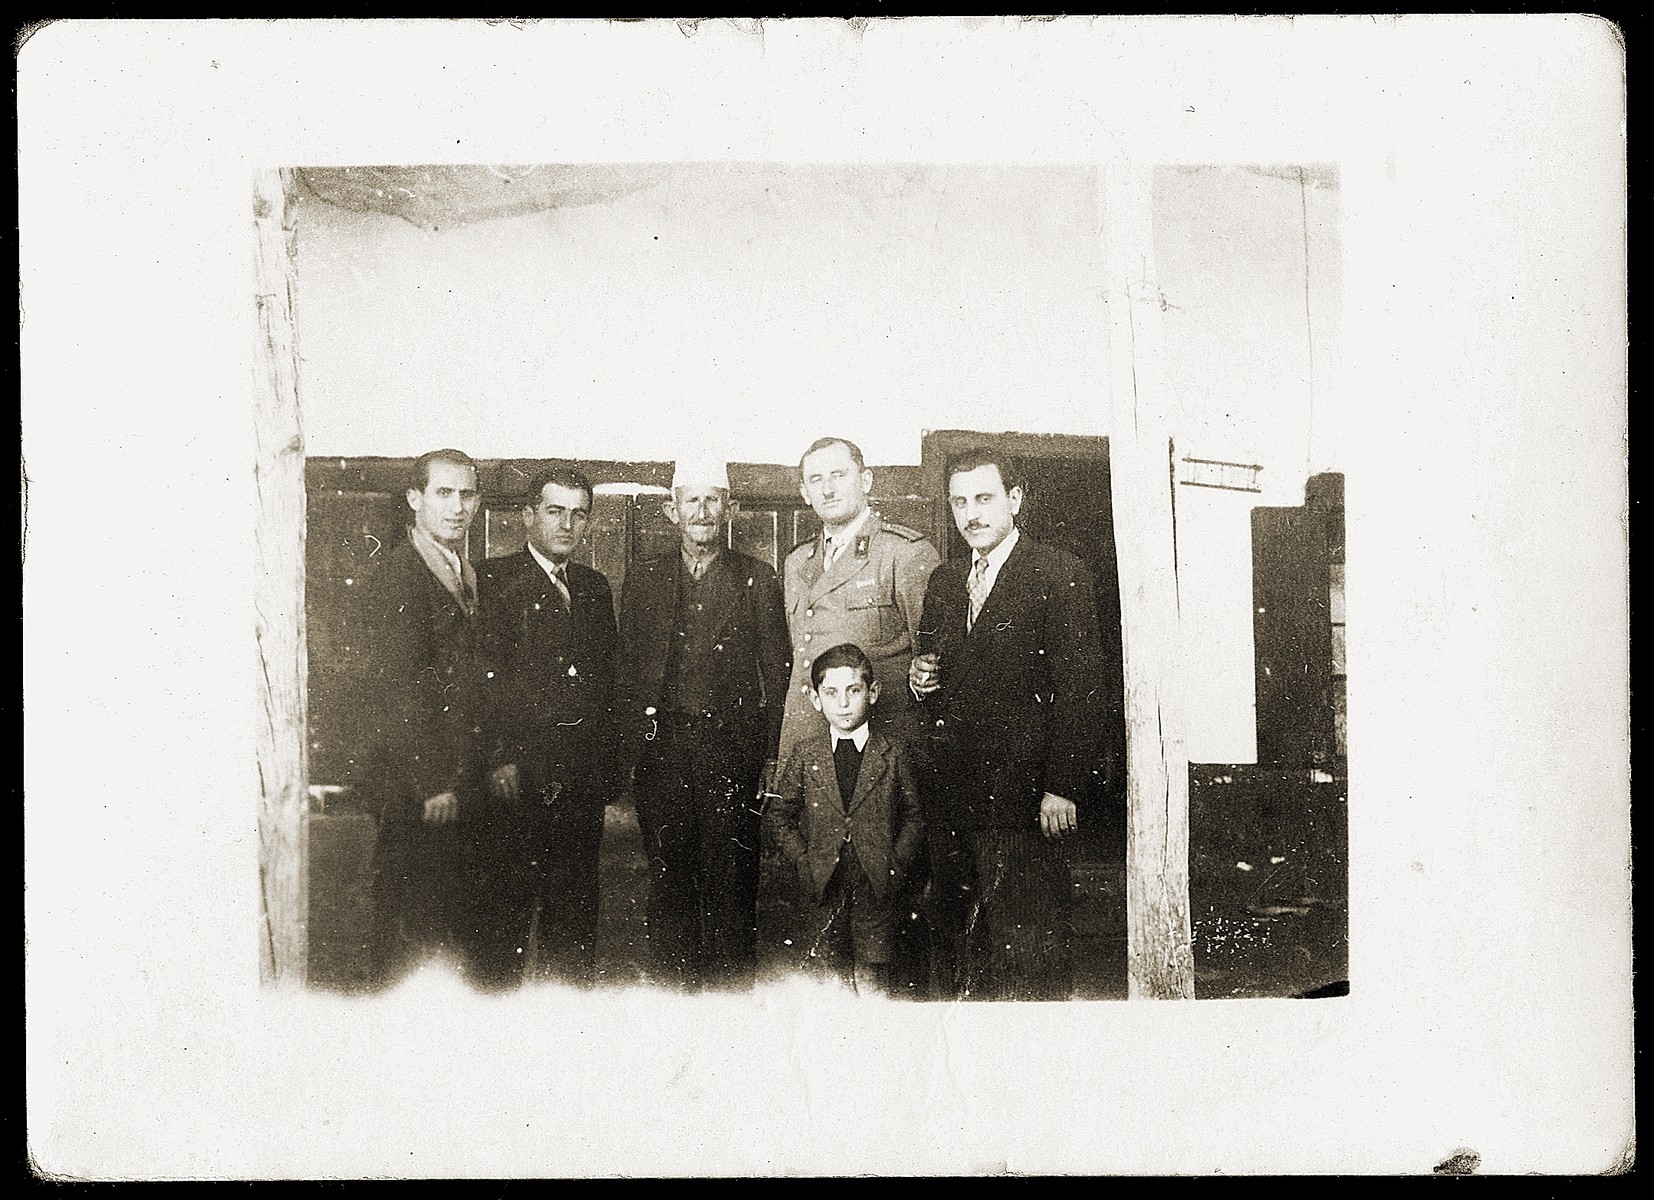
pixel 1160 962
pixel 278 595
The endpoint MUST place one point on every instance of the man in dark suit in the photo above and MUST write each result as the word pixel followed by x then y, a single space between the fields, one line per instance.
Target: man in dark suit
pixel 702 680
pixel 1010 676
pixel 420 770
pixel 547 649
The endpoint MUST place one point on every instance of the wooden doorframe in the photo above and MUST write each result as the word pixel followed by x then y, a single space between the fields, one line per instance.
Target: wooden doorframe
pixel 278 594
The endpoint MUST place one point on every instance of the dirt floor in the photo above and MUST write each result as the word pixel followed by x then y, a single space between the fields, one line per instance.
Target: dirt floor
pixel 1267 886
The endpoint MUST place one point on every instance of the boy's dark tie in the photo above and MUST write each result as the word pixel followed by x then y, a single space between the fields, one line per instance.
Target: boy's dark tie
pixel 847 763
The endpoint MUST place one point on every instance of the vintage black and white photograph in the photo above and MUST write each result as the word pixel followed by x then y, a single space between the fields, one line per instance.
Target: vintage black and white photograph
pixel 530 756
pixel 825 597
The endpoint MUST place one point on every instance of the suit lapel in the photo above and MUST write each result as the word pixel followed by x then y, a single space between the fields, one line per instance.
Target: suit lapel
pixel 836 576
pixel 874 763
pixel 951 606
pixel 996 610
pixel 661 610
pixel 531 584
pixel 829 767
pixel 584 596
pixel 726 589
pixel 442 593
pixel 822 763
pixel 809 572
pixel 847 565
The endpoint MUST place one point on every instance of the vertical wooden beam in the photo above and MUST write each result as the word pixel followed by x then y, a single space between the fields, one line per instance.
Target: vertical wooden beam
pixel 278 594
pixel 1160 963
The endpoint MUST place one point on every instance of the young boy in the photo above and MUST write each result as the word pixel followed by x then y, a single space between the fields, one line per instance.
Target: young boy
pixel 846 814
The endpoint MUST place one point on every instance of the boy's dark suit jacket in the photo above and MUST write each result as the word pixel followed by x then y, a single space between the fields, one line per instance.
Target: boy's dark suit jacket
pixel 548 672
pixel 1018 711
pixel 418 695
pixel 753 637
pixel 882 819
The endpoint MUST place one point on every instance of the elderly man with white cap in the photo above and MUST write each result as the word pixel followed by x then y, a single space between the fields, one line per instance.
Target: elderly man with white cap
pixel 701 681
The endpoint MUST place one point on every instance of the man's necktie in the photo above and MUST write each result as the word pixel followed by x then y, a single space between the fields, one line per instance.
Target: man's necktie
pixel 829 553
pixel 847 765
pixel 466 589
pixel 977 586
pixel 559 577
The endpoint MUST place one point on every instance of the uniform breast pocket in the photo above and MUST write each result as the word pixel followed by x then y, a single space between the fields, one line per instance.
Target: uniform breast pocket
pixel 872 619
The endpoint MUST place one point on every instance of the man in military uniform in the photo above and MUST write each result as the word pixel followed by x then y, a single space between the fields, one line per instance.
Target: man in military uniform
pixel 861 580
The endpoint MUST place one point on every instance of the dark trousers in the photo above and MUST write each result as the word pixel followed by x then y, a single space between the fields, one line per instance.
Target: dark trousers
pixel 536 853
pixel 418 897
pixel 1002 903
pixel 911 945
pixel 910 934
pixel 698 806
pixel 850 927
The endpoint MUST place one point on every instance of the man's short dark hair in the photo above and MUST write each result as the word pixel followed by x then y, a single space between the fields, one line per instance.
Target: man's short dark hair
pixel 823 443
pixel 985 456
pixel 419 475
pixel 846 654
pixel 563 476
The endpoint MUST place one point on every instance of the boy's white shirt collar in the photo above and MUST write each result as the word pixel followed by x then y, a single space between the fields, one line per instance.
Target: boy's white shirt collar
pixel 996 557
pixel 858 736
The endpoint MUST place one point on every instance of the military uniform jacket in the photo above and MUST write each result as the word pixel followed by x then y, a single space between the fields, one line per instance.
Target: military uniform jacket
pixel 872 595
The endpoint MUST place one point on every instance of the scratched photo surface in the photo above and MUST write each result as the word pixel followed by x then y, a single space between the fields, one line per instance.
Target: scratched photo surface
pixel 1287 327
pixel 526 313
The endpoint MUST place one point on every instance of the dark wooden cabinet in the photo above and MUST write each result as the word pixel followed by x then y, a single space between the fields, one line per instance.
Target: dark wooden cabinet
pixel 1298 629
